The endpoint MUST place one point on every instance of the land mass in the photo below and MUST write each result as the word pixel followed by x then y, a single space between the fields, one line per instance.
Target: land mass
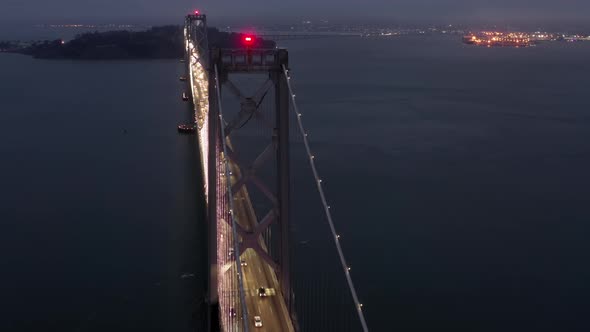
pixel 164 42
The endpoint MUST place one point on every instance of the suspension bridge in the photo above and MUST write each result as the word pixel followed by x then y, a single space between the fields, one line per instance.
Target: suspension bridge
pixel 275 259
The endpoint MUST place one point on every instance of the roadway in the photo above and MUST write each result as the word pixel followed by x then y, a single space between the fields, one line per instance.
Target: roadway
pixel 257 273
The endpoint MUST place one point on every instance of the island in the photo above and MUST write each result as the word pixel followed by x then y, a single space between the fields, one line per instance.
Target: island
pixel 163 42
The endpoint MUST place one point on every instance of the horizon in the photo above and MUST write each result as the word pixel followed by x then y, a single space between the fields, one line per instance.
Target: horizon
pixel 525 24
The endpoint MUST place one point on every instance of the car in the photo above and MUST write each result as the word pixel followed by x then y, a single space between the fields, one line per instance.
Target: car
pixel 262 292
pixel 257 321
pixel 243 263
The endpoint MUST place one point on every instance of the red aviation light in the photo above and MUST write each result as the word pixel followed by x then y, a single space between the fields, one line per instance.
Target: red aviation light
pixel 196 12
pixel 248 40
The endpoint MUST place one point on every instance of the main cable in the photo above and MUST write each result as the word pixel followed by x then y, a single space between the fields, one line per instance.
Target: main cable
pixel 325 204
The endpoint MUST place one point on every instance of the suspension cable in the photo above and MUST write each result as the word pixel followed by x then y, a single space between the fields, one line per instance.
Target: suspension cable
pixel 325 204
pixel 231 207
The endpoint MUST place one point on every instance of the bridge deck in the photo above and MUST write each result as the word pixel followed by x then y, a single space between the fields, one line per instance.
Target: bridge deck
pixel 272 309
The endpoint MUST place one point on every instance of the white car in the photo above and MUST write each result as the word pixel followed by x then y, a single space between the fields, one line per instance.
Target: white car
pixel 257 321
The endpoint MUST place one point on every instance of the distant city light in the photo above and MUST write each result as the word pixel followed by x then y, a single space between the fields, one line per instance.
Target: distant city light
pixel 495 38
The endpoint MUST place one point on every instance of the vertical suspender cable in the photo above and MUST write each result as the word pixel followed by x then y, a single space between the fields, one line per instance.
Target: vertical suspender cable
pixel 231 207
pixel 326 207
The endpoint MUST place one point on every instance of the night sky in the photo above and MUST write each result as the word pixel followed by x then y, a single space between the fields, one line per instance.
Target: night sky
pixel 458 10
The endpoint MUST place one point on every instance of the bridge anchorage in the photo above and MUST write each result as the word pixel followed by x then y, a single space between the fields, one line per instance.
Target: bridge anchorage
pixel 244 109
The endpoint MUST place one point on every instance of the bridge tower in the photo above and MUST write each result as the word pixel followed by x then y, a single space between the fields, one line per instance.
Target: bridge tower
pixel 269 62
pixel 196 30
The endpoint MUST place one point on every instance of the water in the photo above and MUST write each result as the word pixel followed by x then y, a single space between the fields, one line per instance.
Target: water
pixel 456 175
pixel 465 173
pixel 99 196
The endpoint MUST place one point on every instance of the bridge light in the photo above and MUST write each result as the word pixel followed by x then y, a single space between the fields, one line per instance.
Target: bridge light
pixel 337 236
pixel 348 268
